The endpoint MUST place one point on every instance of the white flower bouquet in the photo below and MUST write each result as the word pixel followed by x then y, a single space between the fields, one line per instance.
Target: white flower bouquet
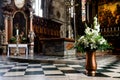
pixel 92 39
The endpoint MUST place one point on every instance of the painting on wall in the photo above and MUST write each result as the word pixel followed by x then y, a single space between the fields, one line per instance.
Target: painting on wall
pixel 109 13
pixel 19 22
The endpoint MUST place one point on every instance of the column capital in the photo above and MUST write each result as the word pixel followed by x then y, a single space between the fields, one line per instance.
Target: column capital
pixel 31 14
pixel 5 15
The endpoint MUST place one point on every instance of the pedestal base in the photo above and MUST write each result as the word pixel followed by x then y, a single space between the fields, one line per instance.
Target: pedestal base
pixel 31 50
pixel 4 46
pixel 90 73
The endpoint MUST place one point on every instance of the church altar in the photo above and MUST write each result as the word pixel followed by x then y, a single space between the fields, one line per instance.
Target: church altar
pixel 57 47
pixel 19 46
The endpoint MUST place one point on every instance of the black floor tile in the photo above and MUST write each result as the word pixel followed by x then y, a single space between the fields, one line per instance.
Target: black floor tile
pixel 70 71
pixel 54 74
pixel 34 72
pixel 103 70
pixel 34 67
pixel 101 75
pixel 14 70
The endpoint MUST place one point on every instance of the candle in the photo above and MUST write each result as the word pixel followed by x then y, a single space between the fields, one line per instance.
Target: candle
pixel 17 32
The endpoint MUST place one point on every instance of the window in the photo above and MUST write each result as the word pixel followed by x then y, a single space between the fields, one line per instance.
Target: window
pixel 37 7
pixel 83 10
pixel 72 8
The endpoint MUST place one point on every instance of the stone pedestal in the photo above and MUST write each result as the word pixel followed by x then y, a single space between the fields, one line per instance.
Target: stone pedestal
pixel 31 50
pixel 4 46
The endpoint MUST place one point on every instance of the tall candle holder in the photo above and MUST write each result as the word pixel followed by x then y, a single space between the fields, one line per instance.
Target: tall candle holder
pixel 17 42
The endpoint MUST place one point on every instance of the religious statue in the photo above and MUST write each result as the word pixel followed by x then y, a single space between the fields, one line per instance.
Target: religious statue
pixel 31 36
pixel 62 32
pixel 70 32
pixel 21 35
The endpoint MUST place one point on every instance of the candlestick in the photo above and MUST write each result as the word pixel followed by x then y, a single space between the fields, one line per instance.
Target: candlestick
pixel 17 36
pixel 17 32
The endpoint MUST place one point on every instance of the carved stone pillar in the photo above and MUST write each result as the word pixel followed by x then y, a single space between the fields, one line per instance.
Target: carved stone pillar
pixel 6 29
pixel 31 18
pixel 10 28
pixel 31 50
pixel 5 34
pixel 31 36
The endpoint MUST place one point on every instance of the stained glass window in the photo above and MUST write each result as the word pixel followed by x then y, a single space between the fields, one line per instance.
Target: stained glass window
pixel 37 7
pixel 83 10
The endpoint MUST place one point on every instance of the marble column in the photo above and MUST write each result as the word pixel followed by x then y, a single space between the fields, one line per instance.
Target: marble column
pixel 5 34
pixel 6 29
pixel 31 47
pixel 31 18
pixel 31 50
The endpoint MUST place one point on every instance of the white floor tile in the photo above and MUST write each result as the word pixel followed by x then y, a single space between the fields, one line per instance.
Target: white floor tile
pixel 34 65
pixel 53 72
pixel 14 74
pixel 34 69
pixel 49 66
pixel 19 67
pixel 65 68
pixel 4 70
pixel 114 70
pixel 74 65
pixel 112 74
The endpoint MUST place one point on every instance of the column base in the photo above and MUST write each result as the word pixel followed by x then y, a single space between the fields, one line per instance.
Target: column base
pixel 31 50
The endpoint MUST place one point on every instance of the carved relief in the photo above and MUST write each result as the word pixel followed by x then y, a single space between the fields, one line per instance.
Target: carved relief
pixel 58 9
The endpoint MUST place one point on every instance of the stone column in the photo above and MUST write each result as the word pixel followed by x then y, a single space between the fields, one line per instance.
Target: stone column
pixel 6 29
pixel 31 18
pixel 1 40
pixel 31 50
pixel 5 34
pixel 31 36
pixel 11 27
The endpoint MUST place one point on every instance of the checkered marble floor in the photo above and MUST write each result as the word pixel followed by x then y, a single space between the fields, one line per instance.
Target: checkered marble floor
pixel 14 69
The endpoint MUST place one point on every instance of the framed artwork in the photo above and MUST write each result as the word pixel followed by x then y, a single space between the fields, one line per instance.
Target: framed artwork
pixel 109 13
pixel 19 22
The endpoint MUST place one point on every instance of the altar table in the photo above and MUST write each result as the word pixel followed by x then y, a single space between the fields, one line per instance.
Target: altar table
pixel 19 46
